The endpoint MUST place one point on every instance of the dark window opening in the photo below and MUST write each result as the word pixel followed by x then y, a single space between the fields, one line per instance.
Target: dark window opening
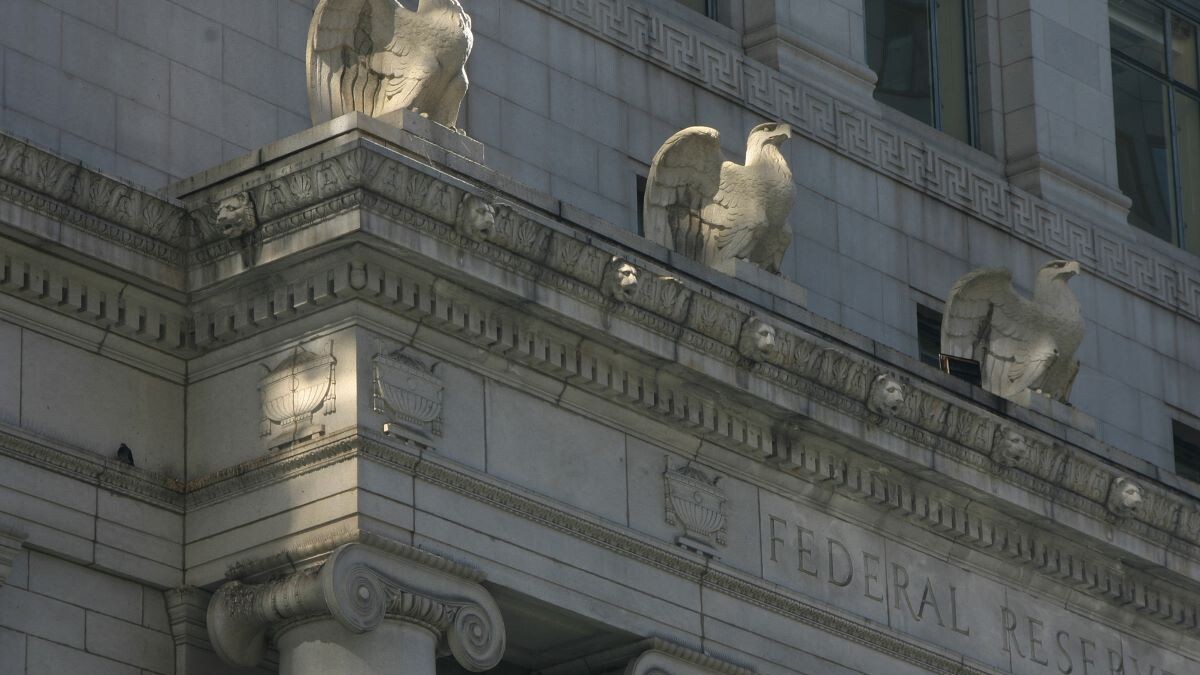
pixel 1156 106
pixel 706 7
pixel 1187 451
pixel 929 346
pixel 929 335
pixel 641 205
pixel 923 54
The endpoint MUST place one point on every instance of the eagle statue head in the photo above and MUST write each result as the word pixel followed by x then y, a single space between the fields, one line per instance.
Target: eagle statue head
pixel 770 133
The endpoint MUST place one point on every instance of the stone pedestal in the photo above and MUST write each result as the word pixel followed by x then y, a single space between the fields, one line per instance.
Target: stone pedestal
pixel 357 605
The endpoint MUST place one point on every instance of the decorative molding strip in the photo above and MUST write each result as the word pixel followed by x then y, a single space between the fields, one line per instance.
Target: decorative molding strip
pixel 114 211
pixel 667 658
pixel 970 523
pixel 110 474
pixel 856 133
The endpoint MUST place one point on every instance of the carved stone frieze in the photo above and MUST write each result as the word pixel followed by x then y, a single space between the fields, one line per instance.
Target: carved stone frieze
pixel 407 392
pixel 887 396
pixel 114 211
pixel 620 282
pixel 1010 448
pixel 695 502
pixel 293 392
pixel 361 584
pixel 476 219
pixel 757 340
pixel 1125 497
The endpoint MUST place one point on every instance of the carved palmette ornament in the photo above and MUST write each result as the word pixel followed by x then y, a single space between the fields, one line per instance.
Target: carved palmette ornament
pixel 408 393
pixel 298 387
pixel 694 501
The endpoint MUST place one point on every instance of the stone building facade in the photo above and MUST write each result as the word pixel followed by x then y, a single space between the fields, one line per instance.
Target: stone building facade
pixel 390 410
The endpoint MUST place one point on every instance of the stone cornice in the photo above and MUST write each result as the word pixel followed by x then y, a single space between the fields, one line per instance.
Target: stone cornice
pixel 111 210
pixel 108 473
pixel 361 583
pixel 687 317
pixel 1130 259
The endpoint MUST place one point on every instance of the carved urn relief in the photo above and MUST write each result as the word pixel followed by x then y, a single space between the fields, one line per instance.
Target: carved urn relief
pixel 694 501
pixel 293 392
pixel 408 393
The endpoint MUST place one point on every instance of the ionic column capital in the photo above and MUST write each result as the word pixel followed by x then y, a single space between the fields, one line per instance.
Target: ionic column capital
pixel 360 584
pixel 661 657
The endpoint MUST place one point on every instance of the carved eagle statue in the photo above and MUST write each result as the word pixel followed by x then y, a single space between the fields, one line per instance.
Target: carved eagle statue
pixel 713 210
pixel 1020 344
pixel 376 56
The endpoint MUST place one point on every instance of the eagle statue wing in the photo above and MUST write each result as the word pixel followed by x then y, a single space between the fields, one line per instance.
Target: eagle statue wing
pixel 346 43
pixel 684 178
pixel 986 321
pixel 739 220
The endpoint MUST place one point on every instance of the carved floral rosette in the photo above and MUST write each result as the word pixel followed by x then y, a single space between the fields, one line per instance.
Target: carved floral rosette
pixel 294 391
pixel 694 501
pixel 407 392
pixel 361 585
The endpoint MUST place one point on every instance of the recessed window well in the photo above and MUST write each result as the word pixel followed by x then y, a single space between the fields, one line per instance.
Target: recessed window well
pixel 1187 451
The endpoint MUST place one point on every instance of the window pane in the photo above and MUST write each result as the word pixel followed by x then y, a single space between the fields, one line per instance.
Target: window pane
pixel 1183 51
pixel 1136 30
pixel 698 5
pixel 1187 116
pixel 898 52
pixel 1143 156
pixel 952 68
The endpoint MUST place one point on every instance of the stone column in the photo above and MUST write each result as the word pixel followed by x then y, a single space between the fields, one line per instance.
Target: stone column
pixel 1059 134
pixel 11 541
pixel 824 42
pixel 369 607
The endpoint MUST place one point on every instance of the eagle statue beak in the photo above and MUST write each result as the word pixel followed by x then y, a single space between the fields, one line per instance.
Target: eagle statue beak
pixel 783 132
pixel 1071 269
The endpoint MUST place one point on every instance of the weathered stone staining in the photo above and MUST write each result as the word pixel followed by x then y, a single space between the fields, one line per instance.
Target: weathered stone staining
pixel 716 211
pixel 1022 345
pixel 886 395
pixel 757 340
pixel 620 281
pixel 12 539
pixel 376 56
pixel 365 605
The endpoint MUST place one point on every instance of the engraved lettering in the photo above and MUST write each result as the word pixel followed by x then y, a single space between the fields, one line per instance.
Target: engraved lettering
pixel 930 600
pixel 1010 630
pixel 901 588
pixel 1084 644
pixel 1116 663
pixel 845 554
pixel 806 551
pixel 775 538
pixel 1035 640
pixel 1064 653
pixel 965 630
pixel 871 574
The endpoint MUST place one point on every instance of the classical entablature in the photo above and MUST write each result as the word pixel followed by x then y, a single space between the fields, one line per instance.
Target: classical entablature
pixel 359 224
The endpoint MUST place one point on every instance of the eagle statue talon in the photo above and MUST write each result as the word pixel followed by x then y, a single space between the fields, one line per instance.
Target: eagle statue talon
pixel 376 57
pixel 715 211
pixel 1021 344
